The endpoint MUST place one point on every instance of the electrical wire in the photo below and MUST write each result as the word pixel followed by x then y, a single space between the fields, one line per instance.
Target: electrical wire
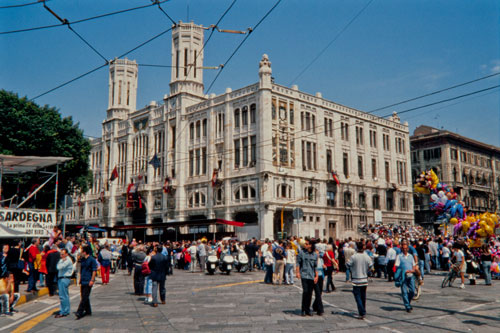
pixel 164 12
pixel 99 67
pixel 88 44
pixel 210 36
pixel 436 92
pixel 22 5
pixel 331 42
pixel 241 44
pixel 82 20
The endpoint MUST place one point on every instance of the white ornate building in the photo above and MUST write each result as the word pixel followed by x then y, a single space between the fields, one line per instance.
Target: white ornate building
pixel 271 147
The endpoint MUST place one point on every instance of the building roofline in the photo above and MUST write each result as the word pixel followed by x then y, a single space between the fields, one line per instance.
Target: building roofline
pixel 452 135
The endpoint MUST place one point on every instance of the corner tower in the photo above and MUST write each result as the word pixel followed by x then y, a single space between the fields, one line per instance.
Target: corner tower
pixel 187 59
pixel 122 87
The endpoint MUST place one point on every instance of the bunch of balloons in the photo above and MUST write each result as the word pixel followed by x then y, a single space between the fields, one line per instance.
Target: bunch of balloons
pixel 450 209
pixel 495 268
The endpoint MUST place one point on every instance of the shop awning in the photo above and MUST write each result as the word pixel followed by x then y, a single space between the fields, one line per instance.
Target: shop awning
pixel 19 164
pixel 178 224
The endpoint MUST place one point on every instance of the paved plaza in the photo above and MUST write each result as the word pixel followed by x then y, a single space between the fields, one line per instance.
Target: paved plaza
pixel 242 303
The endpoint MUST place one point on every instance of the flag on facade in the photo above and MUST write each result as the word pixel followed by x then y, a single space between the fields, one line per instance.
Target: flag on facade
pixel 114 174
pixel 166 185
pixel 131 189
pixel 155 162
pixel 335 178
pixel 214 177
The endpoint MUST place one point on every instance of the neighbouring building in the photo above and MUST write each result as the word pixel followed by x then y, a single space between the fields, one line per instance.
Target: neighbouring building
pixel 244 155
pixel 471 167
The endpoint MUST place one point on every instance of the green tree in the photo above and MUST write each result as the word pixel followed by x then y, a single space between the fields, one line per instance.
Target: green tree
pixel 29 129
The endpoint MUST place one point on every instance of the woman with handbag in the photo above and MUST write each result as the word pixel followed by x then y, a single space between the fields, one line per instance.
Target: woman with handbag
pixel 148 283
pixel 331 264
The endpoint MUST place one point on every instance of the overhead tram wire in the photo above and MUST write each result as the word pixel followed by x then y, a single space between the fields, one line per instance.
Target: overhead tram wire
pixel 164 12
pixel 99 67
pixel 250 30
pixel 21 5
pixel 331 42
pixel 66 22
pixel 436 92
pixel 214 27
pixel 81 20
pixel 263 143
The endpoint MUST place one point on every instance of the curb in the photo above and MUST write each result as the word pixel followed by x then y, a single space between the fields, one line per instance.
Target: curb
pixel 23 299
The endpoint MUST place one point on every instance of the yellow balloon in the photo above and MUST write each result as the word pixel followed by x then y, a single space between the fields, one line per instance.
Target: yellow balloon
pixel 465 225
pixel 482 223
pixel 488 230
pixel 453 220
pixel 481 232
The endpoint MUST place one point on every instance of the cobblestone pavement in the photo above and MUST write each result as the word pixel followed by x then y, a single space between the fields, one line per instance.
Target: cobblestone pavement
pixel 241 303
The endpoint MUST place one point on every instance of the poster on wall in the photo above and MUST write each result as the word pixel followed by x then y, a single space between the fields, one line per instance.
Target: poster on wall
pixel 26 222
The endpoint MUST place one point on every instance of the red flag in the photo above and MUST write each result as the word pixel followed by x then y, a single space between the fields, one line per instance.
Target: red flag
pixel 166 185
pixel 335 178
pixel 114 174
pixel 214 177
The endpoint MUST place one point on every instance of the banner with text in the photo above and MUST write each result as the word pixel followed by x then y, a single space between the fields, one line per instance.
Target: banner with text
pixel 26 222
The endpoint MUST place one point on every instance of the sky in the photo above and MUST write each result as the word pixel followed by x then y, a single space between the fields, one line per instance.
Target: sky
pixel 392 51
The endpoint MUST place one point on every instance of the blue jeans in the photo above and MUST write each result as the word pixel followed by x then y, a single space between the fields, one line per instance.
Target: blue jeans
pixel 289 273
pixel 148 286
pixel 269 274
pixel 435 262
pixel 360 297
pixel 32 277
pixel 347 274
pixel 487 271
pixel 421 266
pixel 63 285
pixel 408 291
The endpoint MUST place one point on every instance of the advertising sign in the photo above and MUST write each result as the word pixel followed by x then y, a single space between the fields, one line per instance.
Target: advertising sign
pixel 26 222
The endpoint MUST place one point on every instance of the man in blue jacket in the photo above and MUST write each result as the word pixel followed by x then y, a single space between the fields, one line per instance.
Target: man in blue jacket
pixel 158 266
pixel 87 280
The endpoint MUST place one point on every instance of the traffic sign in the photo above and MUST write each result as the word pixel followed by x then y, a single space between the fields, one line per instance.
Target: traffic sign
pixel 298 213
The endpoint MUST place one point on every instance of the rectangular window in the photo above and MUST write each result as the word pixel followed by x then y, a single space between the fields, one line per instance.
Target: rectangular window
pixel 344 131
pixel 304 166
pixel 237 118
pixel 374 168
pixel 330 198
pixel 244 142
pixel 204 127
pixel 194 63
pixel 198 161
pixel 308 121
pixel 330 127
pixel 177 55
pixel 292 120
pixel 309 155
pixel 313 123
pixel 185 62
pixel 387 171
pixel 346 164
pixel 253 150
pixel 273 108
pixel 236 153
pixel 198 129
pixel 191 163
pixel 253 111
pixel 328 160
pixel 359 135
pixel 326 127
pixel 373 139
pixel 315 164
pixel 244 116
pixel 204 161
pixel 360 167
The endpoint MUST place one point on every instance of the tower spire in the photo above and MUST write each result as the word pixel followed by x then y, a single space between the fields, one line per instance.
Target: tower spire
pixel 187 59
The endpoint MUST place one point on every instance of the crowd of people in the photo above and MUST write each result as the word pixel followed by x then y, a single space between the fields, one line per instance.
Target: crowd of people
pixel 403 255
pixel 53 264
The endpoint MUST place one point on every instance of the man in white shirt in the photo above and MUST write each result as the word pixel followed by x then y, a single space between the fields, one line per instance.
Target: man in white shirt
pixel 192 251
pixel 445 254
pixel 433 248
pixel 391 260
pixel 348 253
pixel 460 262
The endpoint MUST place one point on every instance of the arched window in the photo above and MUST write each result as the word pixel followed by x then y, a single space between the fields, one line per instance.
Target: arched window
pixel 310 194
pixel 362 200
pixel 253 114
pixel 376 201
pixel 218 197
pixel 245 192
pixel 244 116
pixel 347 199
pixel 237 118
pixel 283 191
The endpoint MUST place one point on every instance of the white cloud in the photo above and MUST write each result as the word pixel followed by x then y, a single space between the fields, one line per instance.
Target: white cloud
pixel 492 67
